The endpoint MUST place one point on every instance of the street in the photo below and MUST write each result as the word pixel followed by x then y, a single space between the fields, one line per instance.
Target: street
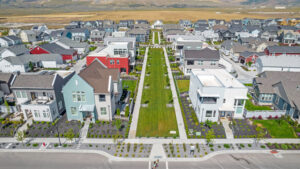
pixel 95 161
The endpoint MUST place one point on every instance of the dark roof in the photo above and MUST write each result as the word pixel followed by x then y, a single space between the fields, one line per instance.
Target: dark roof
pixel 247 54
pixel 97 75
pixel 34 81
pixel 284 49
pixel 204 54
pixel 23 59
pixel 54 48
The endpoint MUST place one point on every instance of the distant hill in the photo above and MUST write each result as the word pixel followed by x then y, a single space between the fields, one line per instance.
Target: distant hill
pixel 91 5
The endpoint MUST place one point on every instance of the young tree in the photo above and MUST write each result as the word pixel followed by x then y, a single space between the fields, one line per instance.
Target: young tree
pixel 260 134
pixel 118 124
pixel 70 135
pixel 208 123
pixel 31 66
pixel 210 135
pixel 21 136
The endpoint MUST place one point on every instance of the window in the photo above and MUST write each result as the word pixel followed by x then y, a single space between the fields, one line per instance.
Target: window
pixel 36 113
pixel 73 111
pixel 112 62
pixel 214 113
pixel 118 62
pixel 101 98
pixel 200 62
pixel 224 100
pixel 213 63
pixel 78 96
pixel 103 110
pixel 44 114
pixel 60 106
pixel 190 62
pixel 18 94
pixel 277 100
pixel 208 113
pixel 284 106
pixel 44 93
pixel 239 102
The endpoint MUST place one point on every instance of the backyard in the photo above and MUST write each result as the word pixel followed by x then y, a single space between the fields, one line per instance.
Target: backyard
pixel 129 85
pixel 277 128
pixel 157 116
pixel 251 107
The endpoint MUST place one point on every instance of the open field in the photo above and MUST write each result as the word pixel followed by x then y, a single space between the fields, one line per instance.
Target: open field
pixel 156 120
pixel 167 15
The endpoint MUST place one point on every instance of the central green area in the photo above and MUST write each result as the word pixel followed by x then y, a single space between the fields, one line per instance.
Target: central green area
pixel 156 119
pixel 156 38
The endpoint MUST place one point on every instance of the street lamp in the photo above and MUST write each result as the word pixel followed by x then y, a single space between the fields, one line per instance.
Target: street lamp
pixel 58 135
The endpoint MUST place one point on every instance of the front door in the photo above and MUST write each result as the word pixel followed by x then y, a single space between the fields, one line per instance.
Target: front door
pixel 33 96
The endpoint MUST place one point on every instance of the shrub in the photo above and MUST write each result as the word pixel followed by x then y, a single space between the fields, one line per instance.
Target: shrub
pixel 269 144
pixel 242 145
pixel 262 146
pixel 55 145
pixel 249 145
pixel 35 144
pixel 226 146
pixel 65 145
pixel 284 146
pixel 211 149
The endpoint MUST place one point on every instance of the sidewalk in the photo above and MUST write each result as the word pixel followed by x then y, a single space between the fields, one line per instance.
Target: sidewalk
pixel 159 38
pixel 228 131
pixel 180 123
pixel 136 110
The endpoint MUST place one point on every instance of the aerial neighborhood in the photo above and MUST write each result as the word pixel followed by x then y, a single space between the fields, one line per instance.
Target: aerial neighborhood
pixel 136 79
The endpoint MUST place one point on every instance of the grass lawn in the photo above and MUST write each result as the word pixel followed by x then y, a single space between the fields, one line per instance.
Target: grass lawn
pixel 156 38
pixel 285 130
pixel 156 120
pixel 130 85
pixel 251 107
pixel 183 85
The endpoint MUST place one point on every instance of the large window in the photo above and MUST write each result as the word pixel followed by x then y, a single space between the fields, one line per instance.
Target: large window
pixel 73 111
pixel 200 62
pixel 36 113
pixel 213 63
pixel 101 98
pixel 120 51
pixel 208 113
pixel 239 102
pixel 190 62
pixel 78 96
pixel 112 62
pixel 21 94
pixel 103 110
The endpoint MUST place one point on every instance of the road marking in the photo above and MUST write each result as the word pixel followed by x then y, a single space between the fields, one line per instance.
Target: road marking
pixel 8 145
pixel 167 165
pixel 149 164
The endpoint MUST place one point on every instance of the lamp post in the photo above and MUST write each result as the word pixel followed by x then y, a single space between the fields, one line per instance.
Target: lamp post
pixel 58 135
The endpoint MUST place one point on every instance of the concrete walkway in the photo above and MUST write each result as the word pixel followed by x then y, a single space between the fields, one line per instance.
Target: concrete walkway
pixel 180 123
pixel 24 126
pixel 153 38
pixel 136 110
pixel 157 152
pixel 228 131
pixel 158 37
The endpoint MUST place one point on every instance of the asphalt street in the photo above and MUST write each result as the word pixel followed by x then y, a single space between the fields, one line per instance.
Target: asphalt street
pixel 96 161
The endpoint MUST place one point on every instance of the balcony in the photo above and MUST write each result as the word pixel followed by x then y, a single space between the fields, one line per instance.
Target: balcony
pixel 208 100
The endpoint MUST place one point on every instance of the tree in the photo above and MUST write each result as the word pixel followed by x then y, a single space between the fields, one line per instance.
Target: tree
pixel 260 134
pixel 115 137
pixel 280 120
pixel 7 106
pixel 208 123
pixel 70 135
pixel 210 135
pixel 21 136
pixel 31 66
pixel 118 124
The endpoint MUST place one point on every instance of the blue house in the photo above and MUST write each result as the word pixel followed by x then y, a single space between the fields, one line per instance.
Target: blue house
pixel 280 90
pixel 92 93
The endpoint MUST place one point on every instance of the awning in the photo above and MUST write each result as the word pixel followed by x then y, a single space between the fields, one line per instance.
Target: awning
pixel 86 107
pixel 207 94
pixel 226 108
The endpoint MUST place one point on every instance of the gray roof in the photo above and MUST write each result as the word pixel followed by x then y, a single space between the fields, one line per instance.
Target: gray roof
pixel 137 31
pixel 284 49
pixel 190 45
pixel 11 37
pixel 285 61
pixel 5 77
pixel 247 54
pixel 19 49
pixel 73 44
pixel 54 48
pixel 24 59
pixel 284 84
pixel 34 81
pixel 204 54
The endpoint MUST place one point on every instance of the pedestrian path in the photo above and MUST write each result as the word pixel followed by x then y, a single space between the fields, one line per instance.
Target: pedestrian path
pixel 157 152
pixel 180 123
pixel 136 110
pixel 24 126
pixel 158 37
pixel 83 133
pixel 227 129
pixel 153 38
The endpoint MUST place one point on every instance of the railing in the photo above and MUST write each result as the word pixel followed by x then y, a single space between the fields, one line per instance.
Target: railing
pixel 264 113
pixel 8 109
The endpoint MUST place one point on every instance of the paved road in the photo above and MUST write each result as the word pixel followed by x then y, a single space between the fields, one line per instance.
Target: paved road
pixel 63 161
pixel 242 161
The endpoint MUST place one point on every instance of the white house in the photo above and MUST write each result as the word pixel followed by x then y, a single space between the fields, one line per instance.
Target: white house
pixel 290 63
pixel 215 94
pixel 157 25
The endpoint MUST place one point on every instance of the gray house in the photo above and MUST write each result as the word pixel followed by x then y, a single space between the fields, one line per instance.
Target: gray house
pixel 280 90
pixel 199 59
pixel 40 96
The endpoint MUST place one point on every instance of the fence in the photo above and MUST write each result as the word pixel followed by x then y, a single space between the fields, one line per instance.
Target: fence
pixel 182 77
pixel 264 114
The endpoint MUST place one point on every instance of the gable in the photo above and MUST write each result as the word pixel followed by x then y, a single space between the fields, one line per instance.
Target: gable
pixel 76 83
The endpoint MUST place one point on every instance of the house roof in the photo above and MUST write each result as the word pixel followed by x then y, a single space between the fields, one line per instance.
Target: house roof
pixel 18 49
pixel 220 27
pixel 137 31
pixel 280 61
pixel 284 84
pixel 97 75
pixel 34 81
pixel 54 48
pixel 204 54
pixel 284 49
pixel 23 59
pixel 5 77
pixel 247 54
pixel 72 43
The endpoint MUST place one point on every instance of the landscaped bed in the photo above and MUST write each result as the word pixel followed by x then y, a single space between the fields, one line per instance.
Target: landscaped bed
pixel 113 129
pixel 200 150
pixel 242 128
pixel 9 128
pixel 193 127
pixel 284 146
pixel 48 129
pixel 157 115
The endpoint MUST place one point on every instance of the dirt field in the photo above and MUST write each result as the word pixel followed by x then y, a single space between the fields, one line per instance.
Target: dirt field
pixel 167 16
